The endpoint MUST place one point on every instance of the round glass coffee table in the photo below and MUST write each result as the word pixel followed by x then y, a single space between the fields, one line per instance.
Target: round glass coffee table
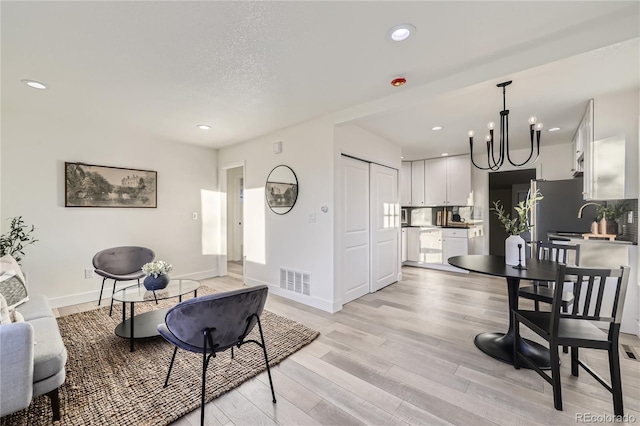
pixel 145 325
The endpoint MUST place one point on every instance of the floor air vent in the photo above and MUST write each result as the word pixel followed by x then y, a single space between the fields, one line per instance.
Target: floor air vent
pixel 295 281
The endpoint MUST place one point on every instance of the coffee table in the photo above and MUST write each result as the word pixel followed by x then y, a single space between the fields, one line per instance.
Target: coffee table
pixel 145 325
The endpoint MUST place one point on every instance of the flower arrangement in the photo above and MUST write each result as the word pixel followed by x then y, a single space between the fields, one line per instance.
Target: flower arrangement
pixel 519 224
pixel 156 268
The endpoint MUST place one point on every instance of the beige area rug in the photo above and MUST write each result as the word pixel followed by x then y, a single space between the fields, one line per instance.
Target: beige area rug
pixel 107 384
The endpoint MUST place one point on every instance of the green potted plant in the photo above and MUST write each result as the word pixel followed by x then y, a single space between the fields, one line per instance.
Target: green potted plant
pixel 16 239
pixel 612 212
pixel 516 226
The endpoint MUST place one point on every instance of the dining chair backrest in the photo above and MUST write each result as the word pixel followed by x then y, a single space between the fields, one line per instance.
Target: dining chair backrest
pixel 229 316
pixel 558 252
pixel 122 260
pixel 590 288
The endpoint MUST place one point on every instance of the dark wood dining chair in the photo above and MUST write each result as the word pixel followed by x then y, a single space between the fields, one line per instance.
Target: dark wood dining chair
pixel 542 291
pixel 589 325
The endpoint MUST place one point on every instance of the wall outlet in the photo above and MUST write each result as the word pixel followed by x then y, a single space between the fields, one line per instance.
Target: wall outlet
pixel 630 217
pixel 88 273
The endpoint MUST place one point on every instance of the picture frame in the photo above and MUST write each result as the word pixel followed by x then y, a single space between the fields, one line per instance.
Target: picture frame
pixel 90 185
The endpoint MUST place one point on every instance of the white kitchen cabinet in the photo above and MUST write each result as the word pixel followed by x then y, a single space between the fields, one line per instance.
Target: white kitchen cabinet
pixel 431 245
pixel 455 242
pixel 405 183
pixel 435 189
pixel 404 245
pixel 413 244
pixel 458 180
pixel 447 181
pixel 417 183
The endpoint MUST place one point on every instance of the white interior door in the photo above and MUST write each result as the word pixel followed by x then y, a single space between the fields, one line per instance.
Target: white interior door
pixel 355 229
pixel 385 225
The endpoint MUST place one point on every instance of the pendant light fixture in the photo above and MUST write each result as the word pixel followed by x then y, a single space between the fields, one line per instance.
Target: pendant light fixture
pixel 494 163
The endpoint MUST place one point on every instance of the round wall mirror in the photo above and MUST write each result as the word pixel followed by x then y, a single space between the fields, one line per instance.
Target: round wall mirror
pixel 281 190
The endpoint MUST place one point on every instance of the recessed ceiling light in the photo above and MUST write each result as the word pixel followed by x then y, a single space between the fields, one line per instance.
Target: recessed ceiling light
pixel 554 129
pixel 203 127
pixel 34 84
pixel 436 128
pixel 401 157
pixel 401 32
pixel 444 154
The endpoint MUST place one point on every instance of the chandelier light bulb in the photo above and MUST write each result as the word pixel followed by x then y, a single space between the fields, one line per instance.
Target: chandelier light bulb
pixel 487 138
pixel 491 125
pixel 532 120
pixel 539 126
pixel 470 133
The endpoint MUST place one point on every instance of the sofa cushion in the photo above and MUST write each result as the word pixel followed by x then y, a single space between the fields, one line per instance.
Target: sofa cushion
pixel 49 353
pixel 12 282
pixel 37 307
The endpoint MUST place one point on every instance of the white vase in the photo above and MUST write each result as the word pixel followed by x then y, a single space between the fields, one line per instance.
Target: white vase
pixel 511 250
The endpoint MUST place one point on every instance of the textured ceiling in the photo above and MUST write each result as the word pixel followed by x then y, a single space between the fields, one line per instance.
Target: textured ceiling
pixel 248 68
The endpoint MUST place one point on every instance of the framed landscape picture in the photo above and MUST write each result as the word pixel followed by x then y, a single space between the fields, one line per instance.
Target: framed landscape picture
pixel 88 185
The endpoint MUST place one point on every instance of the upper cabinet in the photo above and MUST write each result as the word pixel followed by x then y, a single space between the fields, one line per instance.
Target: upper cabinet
pixel 405 183
pixel 610 146
pixel 417 183
pixel 447 181
pixel 436 182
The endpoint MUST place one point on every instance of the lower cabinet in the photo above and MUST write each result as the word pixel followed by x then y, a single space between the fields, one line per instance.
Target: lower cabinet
pixel 403 245
pixel 432 247
pixel 413 244
pixel 455 242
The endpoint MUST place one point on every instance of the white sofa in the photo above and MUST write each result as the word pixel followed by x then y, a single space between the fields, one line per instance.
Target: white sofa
pixel 32 358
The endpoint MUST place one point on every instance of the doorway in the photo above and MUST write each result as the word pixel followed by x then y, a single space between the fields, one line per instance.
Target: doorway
pixel 235 219
pixel 509 188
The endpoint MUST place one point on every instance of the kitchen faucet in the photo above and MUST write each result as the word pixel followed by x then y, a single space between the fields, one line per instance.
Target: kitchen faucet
pixel 585 205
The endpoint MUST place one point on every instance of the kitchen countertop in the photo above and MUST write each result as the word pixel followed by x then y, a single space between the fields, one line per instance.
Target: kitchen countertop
pixel 577 238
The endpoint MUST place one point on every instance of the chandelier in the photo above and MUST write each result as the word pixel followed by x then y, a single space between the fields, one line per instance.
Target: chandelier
pixel 494 163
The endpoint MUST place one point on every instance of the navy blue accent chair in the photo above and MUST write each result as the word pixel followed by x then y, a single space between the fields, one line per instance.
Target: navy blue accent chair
pixel 215 323
pixel 121 264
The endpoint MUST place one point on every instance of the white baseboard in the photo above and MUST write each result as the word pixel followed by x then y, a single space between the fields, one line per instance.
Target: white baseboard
pixel 315 302
pixel 92 296
pixel 400 276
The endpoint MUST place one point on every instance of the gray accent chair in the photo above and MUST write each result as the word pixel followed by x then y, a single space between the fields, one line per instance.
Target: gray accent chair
pixel 32 358
pixel 215 323
pixel 121 264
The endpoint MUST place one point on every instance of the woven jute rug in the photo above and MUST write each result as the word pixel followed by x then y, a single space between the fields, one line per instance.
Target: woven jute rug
pixel 106 384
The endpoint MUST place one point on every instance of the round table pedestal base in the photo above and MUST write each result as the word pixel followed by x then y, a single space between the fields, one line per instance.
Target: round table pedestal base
pixel 500 347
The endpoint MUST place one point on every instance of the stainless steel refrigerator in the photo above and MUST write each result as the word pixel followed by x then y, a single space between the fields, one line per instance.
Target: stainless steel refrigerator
pixel 558 210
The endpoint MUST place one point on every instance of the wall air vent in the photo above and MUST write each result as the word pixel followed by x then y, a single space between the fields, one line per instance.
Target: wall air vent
pixel 295 281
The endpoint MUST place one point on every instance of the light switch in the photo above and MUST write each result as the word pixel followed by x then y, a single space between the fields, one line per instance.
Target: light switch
pixel 630 217
pixel 194 216
pixel 312 217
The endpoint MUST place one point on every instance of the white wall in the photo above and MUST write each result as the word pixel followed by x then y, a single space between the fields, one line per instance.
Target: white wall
pixel 34 149
pixel 272 241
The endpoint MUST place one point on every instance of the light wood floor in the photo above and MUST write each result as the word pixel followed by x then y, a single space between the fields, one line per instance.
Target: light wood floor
pixel 405 355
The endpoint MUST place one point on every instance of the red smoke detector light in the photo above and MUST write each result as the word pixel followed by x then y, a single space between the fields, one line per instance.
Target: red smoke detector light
pixel 396 82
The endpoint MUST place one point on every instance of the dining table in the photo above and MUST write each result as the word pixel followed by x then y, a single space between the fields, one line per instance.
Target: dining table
pixel 500 345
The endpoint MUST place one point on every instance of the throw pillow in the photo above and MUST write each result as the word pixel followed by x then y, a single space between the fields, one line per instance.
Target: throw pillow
pixel 12 282
pixel 4 311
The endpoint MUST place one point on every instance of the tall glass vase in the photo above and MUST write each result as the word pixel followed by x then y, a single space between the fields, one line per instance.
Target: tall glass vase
pixel 511 250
